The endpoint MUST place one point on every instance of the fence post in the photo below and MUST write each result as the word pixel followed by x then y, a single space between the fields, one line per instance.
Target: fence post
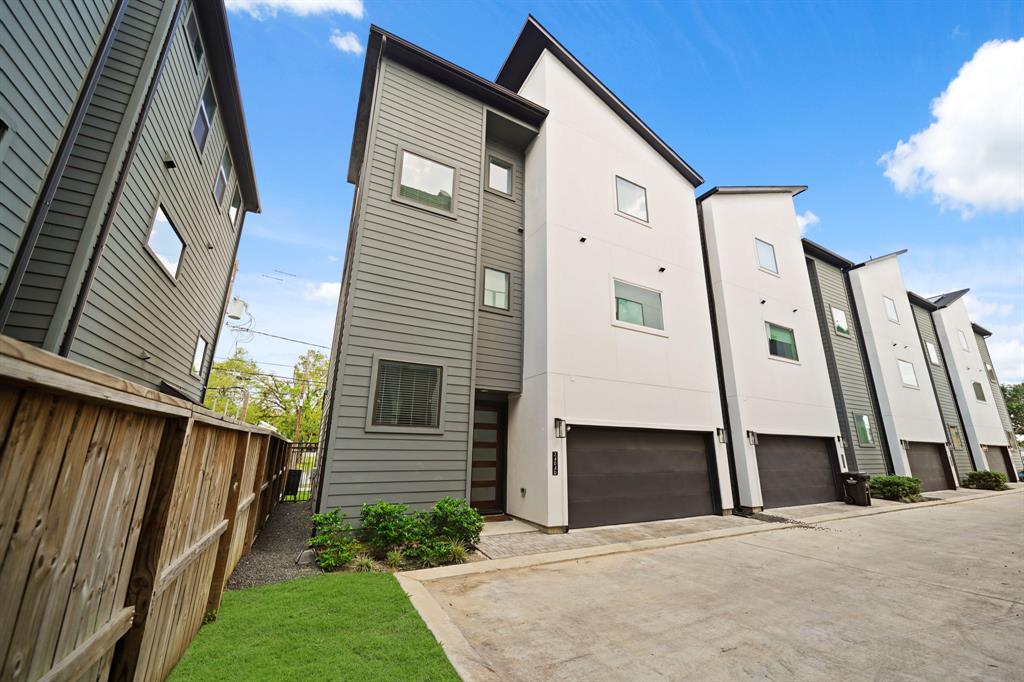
pixel 230 513
pixel 151 540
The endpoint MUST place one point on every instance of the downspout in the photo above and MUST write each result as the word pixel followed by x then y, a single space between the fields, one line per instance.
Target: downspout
pixel 31 238
pixel 115 199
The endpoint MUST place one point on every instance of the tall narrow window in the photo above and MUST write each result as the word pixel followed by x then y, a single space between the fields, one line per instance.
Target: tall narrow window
pixel 766 256
pixel 839 322
pixel 781 341
pixel 979 391
pixel 499 176
pixel 933 352
pixel 890 310
pixel 956 439
pixel 204 117
pixel 631 199
pixel 194 41
pixel 165 243
pixel 236 206
pixel 638 306
pixel 220 185
pixel 963 339
pixel 426 182
pixel 991 373
pixel 907 373
pixel 496 289
pixel 199 357
pixel 407 395
pixel 864 434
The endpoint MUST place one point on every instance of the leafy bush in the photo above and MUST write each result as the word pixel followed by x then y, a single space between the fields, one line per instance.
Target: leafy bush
pixel 985 480
pixel 333 540
pixel 385 526
pixel 456 520
pixel 362 564
pixel 434 551
pixel 899 488
pixel 395 559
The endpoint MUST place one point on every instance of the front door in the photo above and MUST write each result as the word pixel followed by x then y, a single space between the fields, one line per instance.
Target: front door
pixel 487 493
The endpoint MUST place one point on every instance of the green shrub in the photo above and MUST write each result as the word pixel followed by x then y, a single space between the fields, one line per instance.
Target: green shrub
pixel 395 559
pixel 385 526
pixel 333 541
pixel 362 564
pixel 456 520
pixel 899 488
pixel 985 480
pixel 434 551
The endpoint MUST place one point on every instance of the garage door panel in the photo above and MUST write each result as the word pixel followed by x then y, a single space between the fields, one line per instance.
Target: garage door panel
pixel 795 470
pixel 996 457
pixel 928 464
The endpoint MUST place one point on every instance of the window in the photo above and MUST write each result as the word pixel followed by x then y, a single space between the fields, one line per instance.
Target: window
pixel 1012 440
pixel 963 339
pixel 955 439
pixel 236 206
pixel 781 341
pixel 192 31
pixel 933 353
pixel 991 373
pixel 631 199
pixel 407 394
pixel 907 373
pixel 638 306
pixel 496 289
pixel 839 322
pixel 220 185
pixel 426 182
pixel 864 434
pixel 890 310
pixel 204 117
pixel 199 357
pixel 499 176
pixel 766 256
pixel 165 243
pixel 979 391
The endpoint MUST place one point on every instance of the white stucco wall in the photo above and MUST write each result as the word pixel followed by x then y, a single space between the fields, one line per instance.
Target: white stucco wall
pixel 908 414
pixel 594 372
pixel 981 419
pixel 765 394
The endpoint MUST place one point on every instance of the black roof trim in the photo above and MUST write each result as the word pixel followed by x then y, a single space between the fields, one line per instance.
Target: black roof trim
pixel 753 189
pixel 821 253
pixel 220 57
pixel 887 256
pixel 921 302
pixel 978 329
pixel 382 43
pixel 943 300
pixel 533 40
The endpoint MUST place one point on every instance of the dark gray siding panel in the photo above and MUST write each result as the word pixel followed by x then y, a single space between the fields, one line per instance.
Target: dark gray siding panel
pixel 413 293
pixel 46 49
pixel 850 384
pixel 134 308
pixel 499 355
pixel 1000 400
pixel 943 389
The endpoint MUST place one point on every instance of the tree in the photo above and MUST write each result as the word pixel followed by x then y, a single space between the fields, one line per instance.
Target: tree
pixel 1014 394
pixel 283 402
pixel 230 382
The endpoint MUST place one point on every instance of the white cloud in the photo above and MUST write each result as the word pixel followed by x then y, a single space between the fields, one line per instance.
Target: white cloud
pixel 268 9
pixel 969 158
pixel 324 291
pixel 332 259
pixel 805 220
pixel 979 309
pixel 346 42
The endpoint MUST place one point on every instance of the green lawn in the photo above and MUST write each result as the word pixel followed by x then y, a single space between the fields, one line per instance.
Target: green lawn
pixel 339 626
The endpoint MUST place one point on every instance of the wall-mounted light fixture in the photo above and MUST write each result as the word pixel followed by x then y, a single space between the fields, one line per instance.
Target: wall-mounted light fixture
pixel 762 301
pixel 661 268
pixel 169 162
pixel 583 240
pixel 561 428
pixel 752 437
pixel 723 437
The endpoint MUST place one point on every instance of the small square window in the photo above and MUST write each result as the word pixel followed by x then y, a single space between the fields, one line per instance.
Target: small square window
pixel 199 357
pixel 907 373
pixel 839 322
pixel 638 306
pixel 955 438
pixel 499 176
pixel 204 117
pixel 766 256
pixel 890 310
pixel 781 341
pixel 631 199
pixel 407 395
pixel 220 184
pixel 194 40
pixel 236 206
pixel 979 391
pixel 864 433
pixel 165 243
pixel 426 182
pixel 991 372
pixel 933 352
pixel 963 339
pixel 496 289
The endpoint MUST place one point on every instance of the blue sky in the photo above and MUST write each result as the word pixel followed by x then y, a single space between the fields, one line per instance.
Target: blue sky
pixel 747 93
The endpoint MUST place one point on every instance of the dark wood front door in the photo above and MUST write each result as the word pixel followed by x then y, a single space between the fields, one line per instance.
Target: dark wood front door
pixel 487 493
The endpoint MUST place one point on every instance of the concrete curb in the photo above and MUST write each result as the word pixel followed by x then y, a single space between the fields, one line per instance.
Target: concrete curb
pixel 471 666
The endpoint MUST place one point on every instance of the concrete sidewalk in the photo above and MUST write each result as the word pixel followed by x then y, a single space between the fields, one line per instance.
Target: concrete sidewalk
pixel 930 591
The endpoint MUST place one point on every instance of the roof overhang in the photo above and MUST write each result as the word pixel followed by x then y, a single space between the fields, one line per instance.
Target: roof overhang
pixel 220 56
pixel 879 259
pixel 792 190
pixel 921 302
pixel 821 253
pixel 382 44
pixel 978 329
pixel 943 300
pixel 533 40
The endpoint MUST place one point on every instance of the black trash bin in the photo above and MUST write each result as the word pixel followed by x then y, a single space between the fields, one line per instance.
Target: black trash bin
pixel 855 488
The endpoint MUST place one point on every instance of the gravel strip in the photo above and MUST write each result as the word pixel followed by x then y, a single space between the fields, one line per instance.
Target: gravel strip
pixel 273 555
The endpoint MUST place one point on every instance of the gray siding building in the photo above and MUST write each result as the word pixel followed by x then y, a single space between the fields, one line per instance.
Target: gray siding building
pixel 121 246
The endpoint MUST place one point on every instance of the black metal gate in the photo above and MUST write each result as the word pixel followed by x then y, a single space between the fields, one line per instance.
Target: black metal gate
pixel 302 469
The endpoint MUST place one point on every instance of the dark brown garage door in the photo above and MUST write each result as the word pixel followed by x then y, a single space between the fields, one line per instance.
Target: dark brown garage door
pixel 796 470
pixel 929 464
pixel 632 475
pixel 997 461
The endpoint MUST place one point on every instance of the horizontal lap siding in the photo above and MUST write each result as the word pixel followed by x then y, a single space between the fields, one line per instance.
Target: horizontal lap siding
pixel 134 308
pixel 499 354
pixel 943 389
pixel 412 292
pixel 1000 399
pixel 850 384
pixel 46 49
pixel 79 189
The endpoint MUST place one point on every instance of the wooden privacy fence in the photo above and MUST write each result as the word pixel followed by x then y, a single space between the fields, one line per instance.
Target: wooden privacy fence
pixel 122 513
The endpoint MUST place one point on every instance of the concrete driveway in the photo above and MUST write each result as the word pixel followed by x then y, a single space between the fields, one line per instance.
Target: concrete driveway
pixel 926 593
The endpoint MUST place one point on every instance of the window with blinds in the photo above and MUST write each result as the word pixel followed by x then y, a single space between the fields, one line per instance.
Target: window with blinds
pixel 407 394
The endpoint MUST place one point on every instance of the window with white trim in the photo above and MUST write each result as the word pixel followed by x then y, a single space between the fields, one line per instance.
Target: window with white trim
pixel 235 207
pixel 407 394
pixel 499 175
pixel 839 322
pixel 220 184
pixel 165 243
pixel 194 39
pixel 781 341
pixel 956 439
pixel 630 199
pixel 203 123
pixel 638 306
pixel 991 372
pixel 963 339
pixel 496 289
pixel 864 434
pixel 908 374
pixel 933 352
pixel 766 256
pixel 890 310
pixel 199 357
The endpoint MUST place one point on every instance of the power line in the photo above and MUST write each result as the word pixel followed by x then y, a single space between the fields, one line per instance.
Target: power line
pixel 285 338
pixel 265 374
